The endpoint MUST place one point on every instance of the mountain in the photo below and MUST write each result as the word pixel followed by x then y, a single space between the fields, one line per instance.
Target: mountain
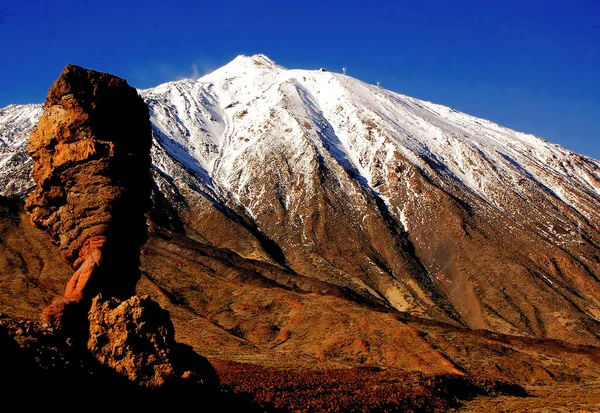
pixel 303 216
pixel 402 202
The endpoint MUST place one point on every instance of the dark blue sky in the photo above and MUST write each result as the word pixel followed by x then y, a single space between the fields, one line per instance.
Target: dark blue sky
pixel 529 65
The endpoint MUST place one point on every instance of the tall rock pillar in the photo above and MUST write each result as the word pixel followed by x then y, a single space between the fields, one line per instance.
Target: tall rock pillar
pixel 91 152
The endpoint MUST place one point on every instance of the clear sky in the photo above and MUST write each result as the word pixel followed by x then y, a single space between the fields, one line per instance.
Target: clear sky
pixel 530 65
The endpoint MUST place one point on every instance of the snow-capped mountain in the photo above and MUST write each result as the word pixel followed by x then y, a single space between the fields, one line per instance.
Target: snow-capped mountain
pixel 358 191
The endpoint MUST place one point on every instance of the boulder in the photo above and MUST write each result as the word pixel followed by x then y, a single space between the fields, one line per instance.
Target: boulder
pixel 136 338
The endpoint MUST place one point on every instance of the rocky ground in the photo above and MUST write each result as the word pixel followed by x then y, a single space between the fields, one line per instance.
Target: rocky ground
pixel 562 398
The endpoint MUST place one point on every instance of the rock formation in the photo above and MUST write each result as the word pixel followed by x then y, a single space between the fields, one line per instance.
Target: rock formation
pixel 42 360
pixel 136 338
pixel 91 155
pixel 91 152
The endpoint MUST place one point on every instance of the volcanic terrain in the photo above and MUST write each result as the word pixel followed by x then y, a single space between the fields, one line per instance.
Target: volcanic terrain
pixel 331 245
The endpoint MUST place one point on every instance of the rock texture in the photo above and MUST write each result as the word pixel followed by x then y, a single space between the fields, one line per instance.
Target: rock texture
pixel 91 153
pixel 32 271
pixel 136 338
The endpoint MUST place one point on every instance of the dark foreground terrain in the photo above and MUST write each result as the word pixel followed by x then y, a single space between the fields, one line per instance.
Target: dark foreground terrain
pixel 44 361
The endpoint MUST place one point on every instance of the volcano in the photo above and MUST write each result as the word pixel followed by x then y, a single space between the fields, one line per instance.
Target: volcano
pixel 304 219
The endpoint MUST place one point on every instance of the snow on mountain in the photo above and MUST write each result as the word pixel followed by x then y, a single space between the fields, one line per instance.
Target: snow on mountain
pixel 212 125
pixel 207 124
pixel 198 122
pixel 16 123
pixel 401 201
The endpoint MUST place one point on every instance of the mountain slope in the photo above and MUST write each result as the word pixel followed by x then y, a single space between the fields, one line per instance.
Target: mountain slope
pixel 404 202
pixel 347 190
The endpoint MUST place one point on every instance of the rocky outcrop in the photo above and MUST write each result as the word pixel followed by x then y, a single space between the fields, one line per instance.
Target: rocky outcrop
pixel 32 272
pixel 46 361
pixel 136 338
pixel 91 152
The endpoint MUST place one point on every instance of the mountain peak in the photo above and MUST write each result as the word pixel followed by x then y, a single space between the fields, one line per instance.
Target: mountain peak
pixel 262 59
pixel 242 64
pixel 257 60
pixel 406 226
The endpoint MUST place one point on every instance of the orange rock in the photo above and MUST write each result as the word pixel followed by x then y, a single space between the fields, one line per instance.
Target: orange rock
pixel 136 338
pixel 91 152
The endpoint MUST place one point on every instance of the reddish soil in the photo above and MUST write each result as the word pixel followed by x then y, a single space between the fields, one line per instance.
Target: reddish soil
pixel 361 389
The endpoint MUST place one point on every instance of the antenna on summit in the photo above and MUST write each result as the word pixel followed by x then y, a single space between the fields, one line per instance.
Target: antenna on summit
pixel 379 84
pixel 343 70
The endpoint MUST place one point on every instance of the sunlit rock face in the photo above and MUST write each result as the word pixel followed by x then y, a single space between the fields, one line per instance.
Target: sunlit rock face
pixel 91 162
